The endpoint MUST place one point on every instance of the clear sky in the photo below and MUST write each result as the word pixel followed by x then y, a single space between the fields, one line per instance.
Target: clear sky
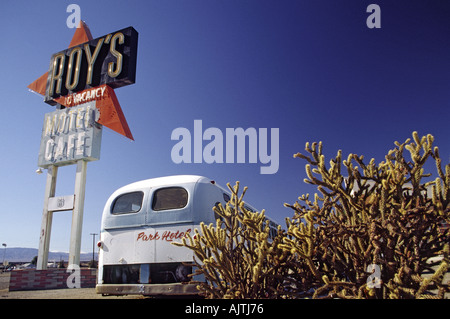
pixel 311 68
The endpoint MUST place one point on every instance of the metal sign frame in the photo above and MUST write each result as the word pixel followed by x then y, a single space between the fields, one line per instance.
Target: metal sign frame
pixel 73 135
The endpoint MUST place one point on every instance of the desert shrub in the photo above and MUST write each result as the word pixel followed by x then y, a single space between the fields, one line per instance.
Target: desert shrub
pixel 368 233
pixel 237 257
pixel 375 217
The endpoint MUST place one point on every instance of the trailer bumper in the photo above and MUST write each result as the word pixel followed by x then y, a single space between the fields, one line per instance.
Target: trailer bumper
pixel 176 289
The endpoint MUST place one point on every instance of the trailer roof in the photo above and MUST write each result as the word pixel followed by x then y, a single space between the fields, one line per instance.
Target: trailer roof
pixel 165 181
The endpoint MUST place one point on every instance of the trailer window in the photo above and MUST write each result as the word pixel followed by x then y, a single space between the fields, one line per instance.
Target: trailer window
pixel 128 203
pixel 169 198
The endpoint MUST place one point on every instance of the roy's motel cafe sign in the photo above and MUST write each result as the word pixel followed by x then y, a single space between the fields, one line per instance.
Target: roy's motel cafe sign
pixel 81 81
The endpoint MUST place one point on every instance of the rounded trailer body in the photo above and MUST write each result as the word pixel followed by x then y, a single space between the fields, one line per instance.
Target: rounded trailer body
pixel 139 223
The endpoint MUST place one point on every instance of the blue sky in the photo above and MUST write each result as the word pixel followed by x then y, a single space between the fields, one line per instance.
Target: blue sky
pixel 310 68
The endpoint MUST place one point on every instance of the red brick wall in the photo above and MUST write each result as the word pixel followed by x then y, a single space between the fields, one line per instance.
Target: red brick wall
pixel 31 279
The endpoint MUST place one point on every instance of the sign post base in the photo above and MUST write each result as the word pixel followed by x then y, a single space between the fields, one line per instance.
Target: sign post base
pixel 77 215
pixel 47 217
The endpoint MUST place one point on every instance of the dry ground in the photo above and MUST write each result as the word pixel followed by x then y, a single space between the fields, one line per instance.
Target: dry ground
pixel 82 293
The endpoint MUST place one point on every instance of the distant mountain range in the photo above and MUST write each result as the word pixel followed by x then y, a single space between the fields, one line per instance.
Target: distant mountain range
pixel 18 254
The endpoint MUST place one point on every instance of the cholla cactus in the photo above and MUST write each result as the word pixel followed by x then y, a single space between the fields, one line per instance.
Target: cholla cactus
pixel 368 233
pixel 381 218
pixel 236 256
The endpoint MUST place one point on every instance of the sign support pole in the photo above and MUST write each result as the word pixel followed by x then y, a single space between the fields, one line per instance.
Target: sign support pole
pixel 77 215
pixel 47 217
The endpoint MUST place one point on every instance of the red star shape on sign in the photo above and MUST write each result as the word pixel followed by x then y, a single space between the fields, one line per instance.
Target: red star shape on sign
pixel 111 114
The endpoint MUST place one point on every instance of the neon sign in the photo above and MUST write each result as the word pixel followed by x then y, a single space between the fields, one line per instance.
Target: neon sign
pixel 69 135
pixel 89 70
pixel 81 79
pixel 110 59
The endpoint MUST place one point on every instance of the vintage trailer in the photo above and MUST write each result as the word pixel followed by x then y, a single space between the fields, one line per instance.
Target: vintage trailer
pixel 139 223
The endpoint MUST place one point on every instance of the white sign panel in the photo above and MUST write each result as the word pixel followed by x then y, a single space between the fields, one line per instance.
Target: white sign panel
pixel 69 135
pixel 61 203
